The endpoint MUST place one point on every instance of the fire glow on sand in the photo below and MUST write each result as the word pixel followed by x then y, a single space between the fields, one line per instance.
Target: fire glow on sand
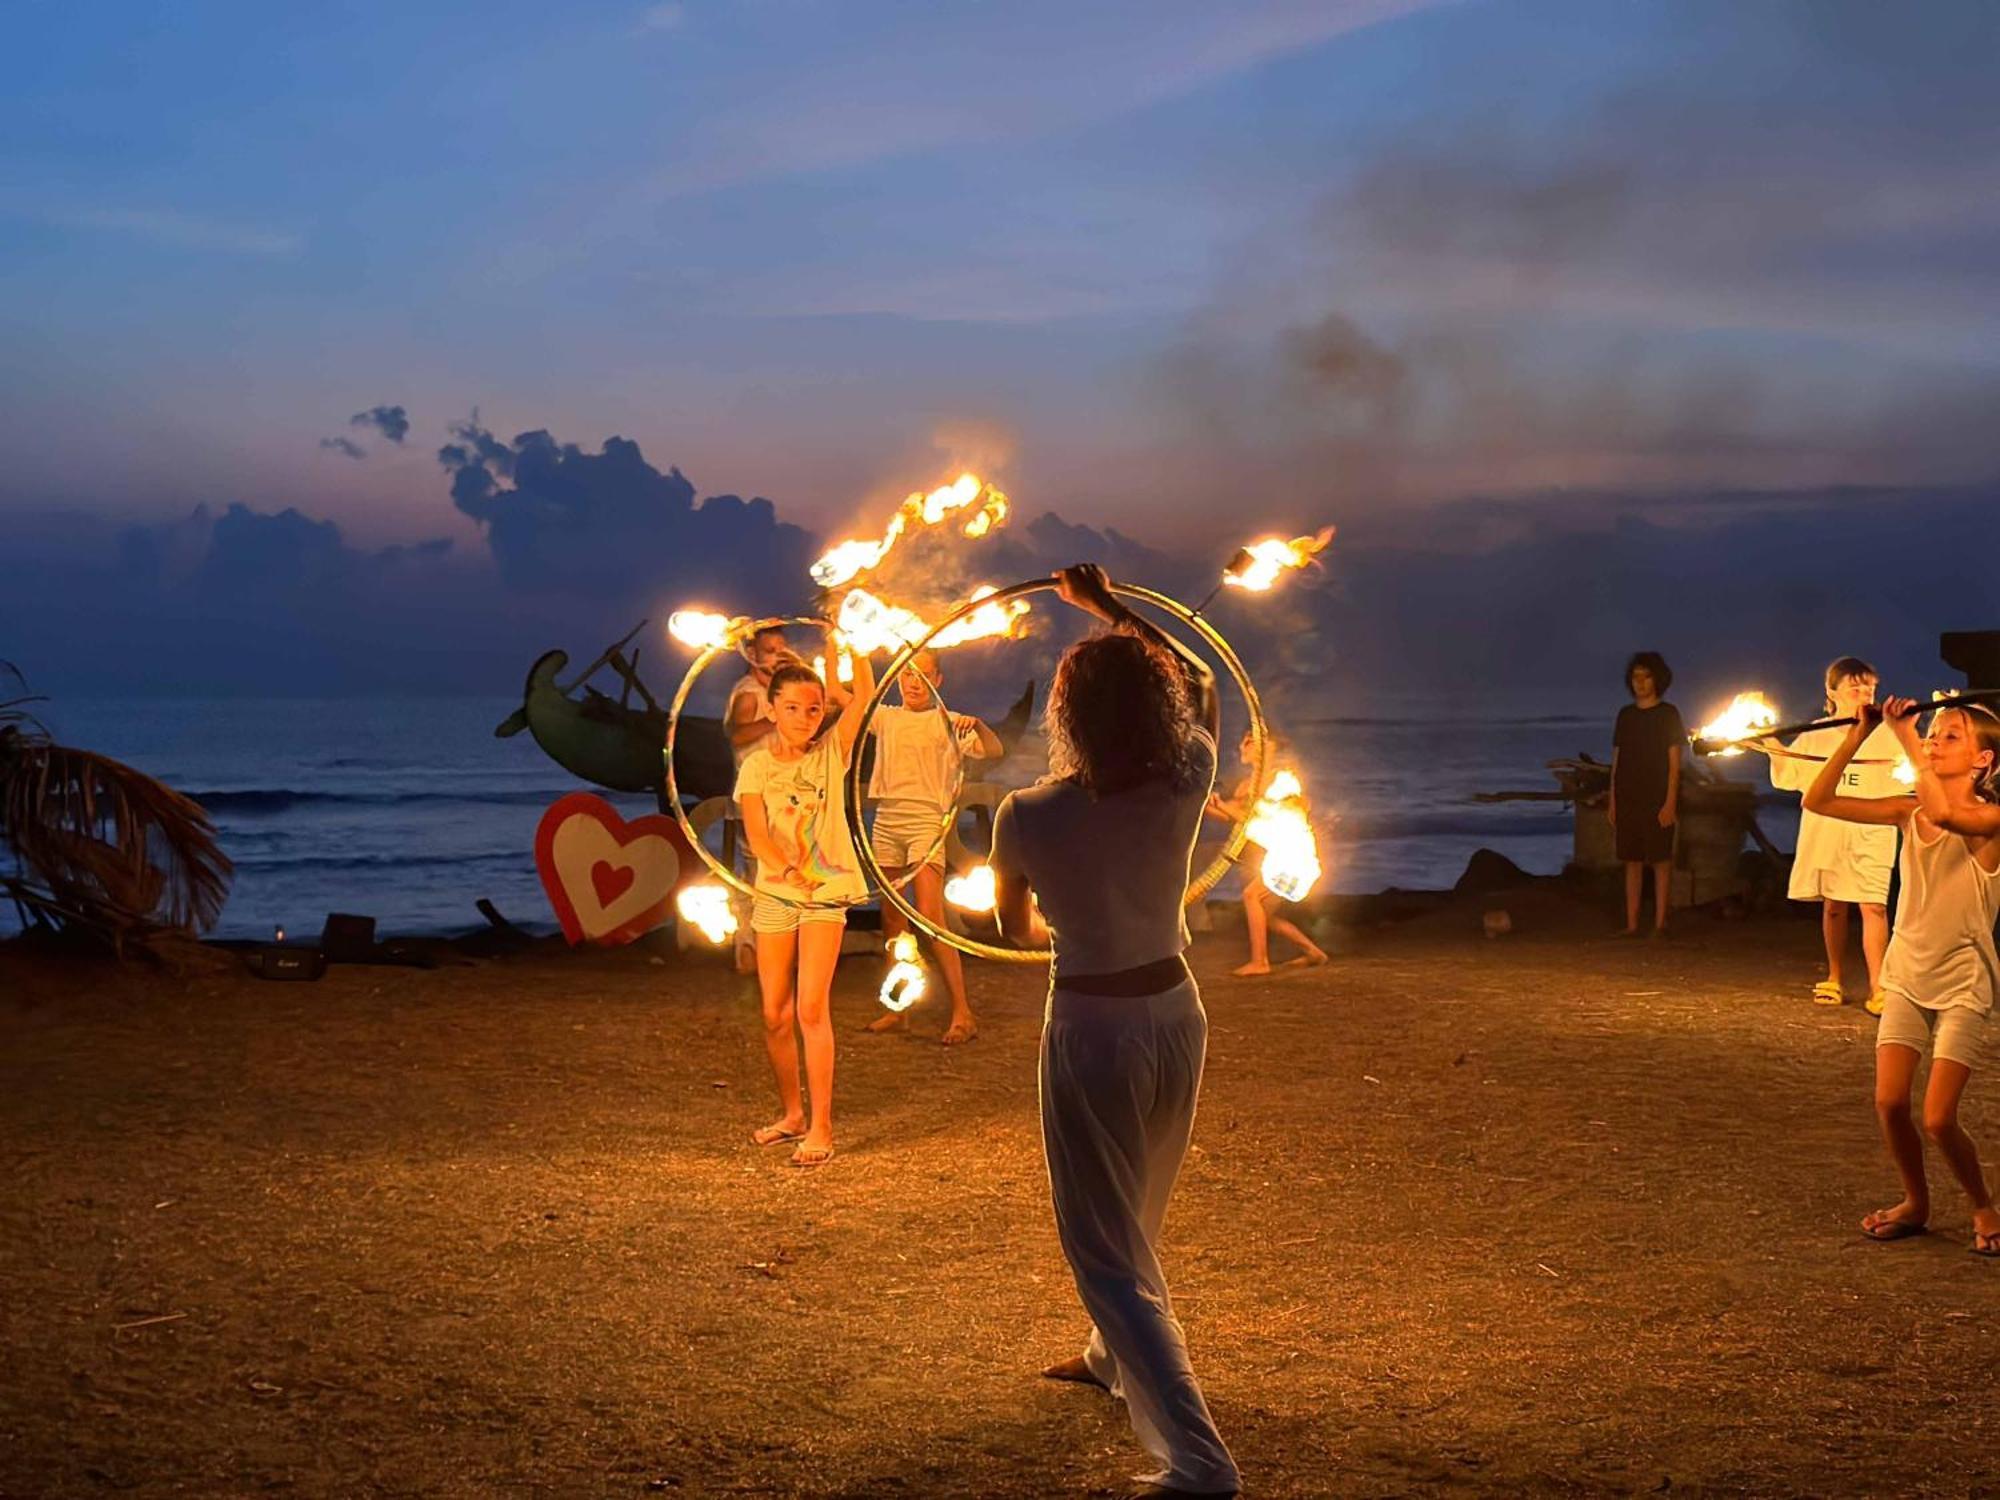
pixel 904 984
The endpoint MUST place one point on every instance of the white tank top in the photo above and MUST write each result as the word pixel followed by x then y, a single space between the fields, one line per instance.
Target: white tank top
pixel 1942 952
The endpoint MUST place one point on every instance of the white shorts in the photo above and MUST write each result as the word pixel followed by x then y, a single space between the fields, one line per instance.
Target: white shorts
pixel 768 914
pixel 1956 1033
pixel 905 832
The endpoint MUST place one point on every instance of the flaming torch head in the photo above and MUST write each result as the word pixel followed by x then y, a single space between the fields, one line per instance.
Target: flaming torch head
pixel 701 629
pixel 1282 826
pixel 973 891
pixel 1261 564
pixel 1747 713
pixel 705 907
pixel 903 986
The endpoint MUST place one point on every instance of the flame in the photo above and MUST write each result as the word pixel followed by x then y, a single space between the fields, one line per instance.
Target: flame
pixel 847 560
pixel 1279 823
pixel 903 986
pixel 705 905
pixel 869 624
pixel 995 619
pixel 975 890
pixel 845 667
pixel 1747 713
pixel 1261 564
pixel 700 628
pixel 1904 774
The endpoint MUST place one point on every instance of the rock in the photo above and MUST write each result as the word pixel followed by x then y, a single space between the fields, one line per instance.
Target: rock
pixel 1488 871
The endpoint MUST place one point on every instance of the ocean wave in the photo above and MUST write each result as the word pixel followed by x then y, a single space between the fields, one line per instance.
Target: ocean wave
pixel 253 802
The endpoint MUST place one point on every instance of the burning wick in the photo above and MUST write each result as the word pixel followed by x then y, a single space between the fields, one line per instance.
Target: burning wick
pixel 1747 713
pixel 1261 564
pixel 869 624
pixel 847 560
pixel 1904 774
pixel 1280 826
pixel 278 933
pixel 700 628
pixel 973 891
pixel 903 986
pixel 705 906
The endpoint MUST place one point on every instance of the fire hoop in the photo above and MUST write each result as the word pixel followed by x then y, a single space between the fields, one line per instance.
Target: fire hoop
pixel 702 662
pixel 1199 887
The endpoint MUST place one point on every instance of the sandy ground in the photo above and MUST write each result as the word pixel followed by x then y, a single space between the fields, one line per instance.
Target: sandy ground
pixel 1548 1214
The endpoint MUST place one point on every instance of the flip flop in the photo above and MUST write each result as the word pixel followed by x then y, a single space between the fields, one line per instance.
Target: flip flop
pixel 1991 1249
pixel 1826 992
pixel 1885 1230
pixel 774 1135
pixel 1873 1004
pixel 812 1156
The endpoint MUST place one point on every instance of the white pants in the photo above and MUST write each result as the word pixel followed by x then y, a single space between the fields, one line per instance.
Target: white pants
pixel 1119 1078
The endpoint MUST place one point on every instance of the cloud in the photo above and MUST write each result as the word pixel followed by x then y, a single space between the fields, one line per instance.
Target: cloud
pixel 608 525
pixel 391 421
pixel 344 445
pixel 178 230
pixel 1764 255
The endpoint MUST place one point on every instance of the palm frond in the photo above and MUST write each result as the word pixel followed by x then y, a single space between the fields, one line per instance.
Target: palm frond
pixel 109 845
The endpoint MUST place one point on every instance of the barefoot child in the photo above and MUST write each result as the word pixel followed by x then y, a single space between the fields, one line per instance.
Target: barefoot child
pixel 1940 973
pixel 1261 904
pixel 1843 865
pixel 918 750
pixel 1646 748
pixel 791 790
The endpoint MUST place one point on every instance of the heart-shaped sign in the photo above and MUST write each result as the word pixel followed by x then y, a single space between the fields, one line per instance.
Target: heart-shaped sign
pixel 609 880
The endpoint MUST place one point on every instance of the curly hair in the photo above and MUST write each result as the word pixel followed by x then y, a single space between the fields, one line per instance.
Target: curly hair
pixel 1120 714
pixel 1652 661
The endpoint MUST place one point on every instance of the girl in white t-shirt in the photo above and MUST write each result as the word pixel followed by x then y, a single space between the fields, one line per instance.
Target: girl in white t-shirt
pixel 1940 973
pixel 1839 864
pixel 792 793
pixel 918 751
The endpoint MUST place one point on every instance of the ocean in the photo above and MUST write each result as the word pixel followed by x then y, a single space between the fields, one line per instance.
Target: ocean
pixel 409 810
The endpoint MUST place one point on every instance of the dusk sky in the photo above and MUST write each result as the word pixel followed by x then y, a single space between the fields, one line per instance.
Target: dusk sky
pixel 1183 269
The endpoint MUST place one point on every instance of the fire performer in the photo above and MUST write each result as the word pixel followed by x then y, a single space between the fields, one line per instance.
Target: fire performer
pixel 1646 748
pixel 1261 916
pixel 790 792
pixel 1940 973
pixel 918 750
pixel 1104 845
pixel 1839 864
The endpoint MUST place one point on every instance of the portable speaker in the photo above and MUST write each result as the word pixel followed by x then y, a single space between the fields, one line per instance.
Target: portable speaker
pixel 287 963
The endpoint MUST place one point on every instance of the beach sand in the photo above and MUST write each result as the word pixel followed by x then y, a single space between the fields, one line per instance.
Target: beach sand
pixel 1549 1213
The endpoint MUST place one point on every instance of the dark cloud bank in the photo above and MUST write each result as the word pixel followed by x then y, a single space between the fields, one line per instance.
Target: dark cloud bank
pixel 1529 604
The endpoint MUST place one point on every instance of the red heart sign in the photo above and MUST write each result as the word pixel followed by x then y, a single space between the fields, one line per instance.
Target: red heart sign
pixel 609 880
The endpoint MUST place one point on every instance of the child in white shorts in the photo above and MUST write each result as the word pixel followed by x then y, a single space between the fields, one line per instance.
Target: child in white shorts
pixel 1940 974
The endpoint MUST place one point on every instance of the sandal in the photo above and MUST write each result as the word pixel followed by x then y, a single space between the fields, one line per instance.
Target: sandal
pixel 1883 1229
pixel 812 1156
pixel 1985 1245
pixel 774 1135
pixel 1829 992
pixel 1873 1004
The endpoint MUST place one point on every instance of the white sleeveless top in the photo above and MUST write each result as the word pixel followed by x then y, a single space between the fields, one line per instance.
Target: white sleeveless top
pixel 1942 952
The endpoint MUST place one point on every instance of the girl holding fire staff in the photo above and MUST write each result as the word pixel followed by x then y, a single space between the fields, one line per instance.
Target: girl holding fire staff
pixel 1843 865
pixel 1104 847
pixel 918 751
pixel 1940 972
pixel 791 793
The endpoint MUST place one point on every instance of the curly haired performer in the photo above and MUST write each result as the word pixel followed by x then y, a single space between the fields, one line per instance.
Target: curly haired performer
pixel 1104 846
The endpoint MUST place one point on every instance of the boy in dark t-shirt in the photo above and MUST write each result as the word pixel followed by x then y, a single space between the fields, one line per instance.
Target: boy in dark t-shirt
pixel 1646 749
